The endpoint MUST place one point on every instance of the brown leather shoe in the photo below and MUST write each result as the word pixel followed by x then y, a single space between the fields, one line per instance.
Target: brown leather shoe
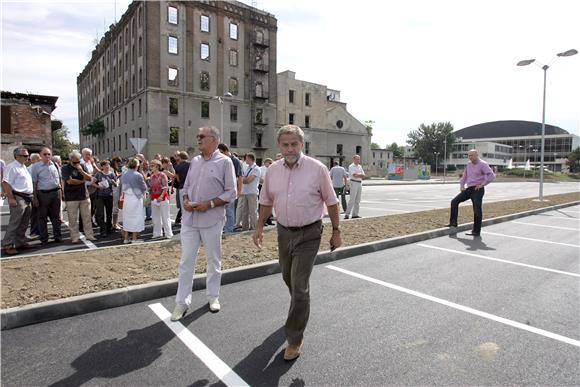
pixel 10 251
pixel 293 351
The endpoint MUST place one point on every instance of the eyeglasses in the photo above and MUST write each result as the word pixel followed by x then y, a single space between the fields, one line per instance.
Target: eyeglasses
pixel 27 156
pixel 202 136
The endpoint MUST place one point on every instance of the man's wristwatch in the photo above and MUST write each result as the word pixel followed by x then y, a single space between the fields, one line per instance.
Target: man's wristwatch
pixel 211 204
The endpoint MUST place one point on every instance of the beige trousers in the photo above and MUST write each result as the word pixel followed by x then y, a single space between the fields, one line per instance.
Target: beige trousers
pixel 73 208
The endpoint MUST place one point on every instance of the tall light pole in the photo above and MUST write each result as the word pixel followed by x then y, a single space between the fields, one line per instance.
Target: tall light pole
pixel 545 68
pixel 436 154
pixel 221 101
pixel 445 159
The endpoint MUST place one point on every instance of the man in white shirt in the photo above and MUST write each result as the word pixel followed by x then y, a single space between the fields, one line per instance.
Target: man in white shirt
pixel 18 188
pixel 356 174
pixel 89 163
pixel 249 196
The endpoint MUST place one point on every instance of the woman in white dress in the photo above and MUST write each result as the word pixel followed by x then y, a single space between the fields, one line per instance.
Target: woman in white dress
pixel 134 188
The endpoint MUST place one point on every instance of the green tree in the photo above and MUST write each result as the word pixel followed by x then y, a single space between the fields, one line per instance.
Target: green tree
pixel 369 125
pixel 95 128
pixel 61 144
pixel 574 160
pixel 398 151
pixel 374 145
pixel 429 139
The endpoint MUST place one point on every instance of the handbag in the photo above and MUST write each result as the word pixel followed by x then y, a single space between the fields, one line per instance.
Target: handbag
pixel 146 199
pixel 121 201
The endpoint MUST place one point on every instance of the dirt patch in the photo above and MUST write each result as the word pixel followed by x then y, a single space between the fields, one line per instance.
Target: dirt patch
pixel 37 279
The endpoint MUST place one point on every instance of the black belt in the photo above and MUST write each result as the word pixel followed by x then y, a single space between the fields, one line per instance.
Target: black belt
pixel 301 227
pixel 49 190
pixel 356 181
pixel 22 195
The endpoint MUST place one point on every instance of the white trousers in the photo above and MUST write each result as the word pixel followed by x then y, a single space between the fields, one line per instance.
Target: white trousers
pixel 161 219
pixel 354 201
pixel 191 239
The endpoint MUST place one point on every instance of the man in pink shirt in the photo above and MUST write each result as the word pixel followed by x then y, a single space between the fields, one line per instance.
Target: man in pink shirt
pixel 209 186
pixel 477 174
pixel 298 187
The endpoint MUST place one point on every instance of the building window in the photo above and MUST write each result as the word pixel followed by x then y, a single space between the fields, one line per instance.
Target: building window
pixel 204 51
pixel 132 111
pixel 233 57
pixel 339 124
pixel 233 139
pixel 204 23
pixel 307 121
pixel 173 136
pixel 172 44
pixel 204 80
pixel 291 96
pixel 140 134
pixel 140 78
pixel 172 79
pixel 233 86
pixel 260 116
pixel 140 46
pixel 307 99
pixel 204 109
pixel 339 149
pixel 358 150
pixel 233 31
pixel 259 89
pixel 125 114
pixel 291 118
pixel 113 121
pixel 233 113
pixel 114 142
pixel 119 121
pixel 307 147
pixel 126 142
pixel 173 108
pixel 172 15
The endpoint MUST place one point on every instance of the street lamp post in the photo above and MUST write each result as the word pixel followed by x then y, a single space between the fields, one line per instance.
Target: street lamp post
pixel 436 154
pixel 445 159
pixel 221 101
pixel 545 68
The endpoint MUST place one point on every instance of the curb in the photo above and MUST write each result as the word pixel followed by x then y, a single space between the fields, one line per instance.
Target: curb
pixel 72 306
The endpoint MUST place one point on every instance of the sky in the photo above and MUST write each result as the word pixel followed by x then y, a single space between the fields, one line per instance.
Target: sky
pixel 398 63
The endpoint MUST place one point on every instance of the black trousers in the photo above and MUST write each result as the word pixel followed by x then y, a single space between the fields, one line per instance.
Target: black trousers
pixel 476 197
pixel 341 196
pixel 104 206
pixel 49 207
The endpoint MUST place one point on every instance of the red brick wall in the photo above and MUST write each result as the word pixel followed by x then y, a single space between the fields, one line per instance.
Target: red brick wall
pixel 28 123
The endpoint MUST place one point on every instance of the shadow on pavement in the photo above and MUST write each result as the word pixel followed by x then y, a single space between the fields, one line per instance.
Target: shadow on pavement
pixel 473 244
pixel 116 357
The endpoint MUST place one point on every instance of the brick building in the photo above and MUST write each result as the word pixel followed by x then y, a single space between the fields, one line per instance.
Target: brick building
pixel 169 67
pixel 25 122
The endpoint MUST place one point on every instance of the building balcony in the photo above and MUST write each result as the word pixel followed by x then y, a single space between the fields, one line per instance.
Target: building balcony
pixel 260 40
pixel 263 68
pixel 262 95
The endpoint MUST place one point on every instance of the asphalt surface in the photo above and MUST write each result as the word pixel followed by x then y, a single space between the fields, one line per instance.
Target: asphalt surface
pixel 500 310
pixel 377 200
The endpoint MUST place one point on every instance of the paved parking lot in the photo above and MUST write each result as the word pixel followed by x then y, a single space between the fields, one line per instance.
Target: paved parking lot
pixel 503 309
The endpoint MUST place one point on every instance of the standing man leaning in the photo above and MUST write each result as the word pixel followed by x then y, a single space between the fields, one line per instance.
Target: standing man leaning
pixel 476 176
pixel 47 195
pixel 339 178
pixel 356 172
pixel 17 186
pixel 298 187
pixel 210 185
pixel 78 205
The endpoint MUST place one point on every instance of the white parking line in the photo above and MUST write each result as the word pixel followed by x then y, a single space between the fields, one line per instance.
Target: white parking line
pixel 545 225
pixel 530 239
pixel 500 260
pixel 559 217
pixel 462 308
pixel 199 349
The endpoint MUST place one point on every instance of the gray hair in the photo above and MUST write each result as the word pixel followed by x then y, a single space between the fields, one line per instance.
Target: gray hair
pixel 56 158
pixel 214 131
pixel 74 153
pixel 291 129
pixel 87 150
pixel 34 157
pixel 18 150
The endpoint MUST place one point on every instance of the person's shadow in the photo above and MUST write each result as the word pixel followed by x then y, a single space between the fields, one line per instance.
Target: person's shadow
pixel 473 244
pixel 115 357
pixel 256 368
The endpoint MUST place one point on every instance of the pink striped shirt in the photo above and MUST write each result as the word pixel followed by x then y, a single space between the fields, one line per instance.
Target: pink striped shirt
pixel 298 194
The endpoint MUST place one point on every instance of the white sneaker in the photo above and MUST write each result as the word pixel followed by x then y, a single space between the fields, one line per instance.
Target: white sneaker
pixel 214 305
pixel 178 312
pixel 126 241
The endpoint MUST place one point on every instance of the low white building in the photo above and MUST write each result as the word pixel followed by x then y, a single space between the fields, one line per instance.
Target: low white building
pixel 493 153
pixel 380 160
